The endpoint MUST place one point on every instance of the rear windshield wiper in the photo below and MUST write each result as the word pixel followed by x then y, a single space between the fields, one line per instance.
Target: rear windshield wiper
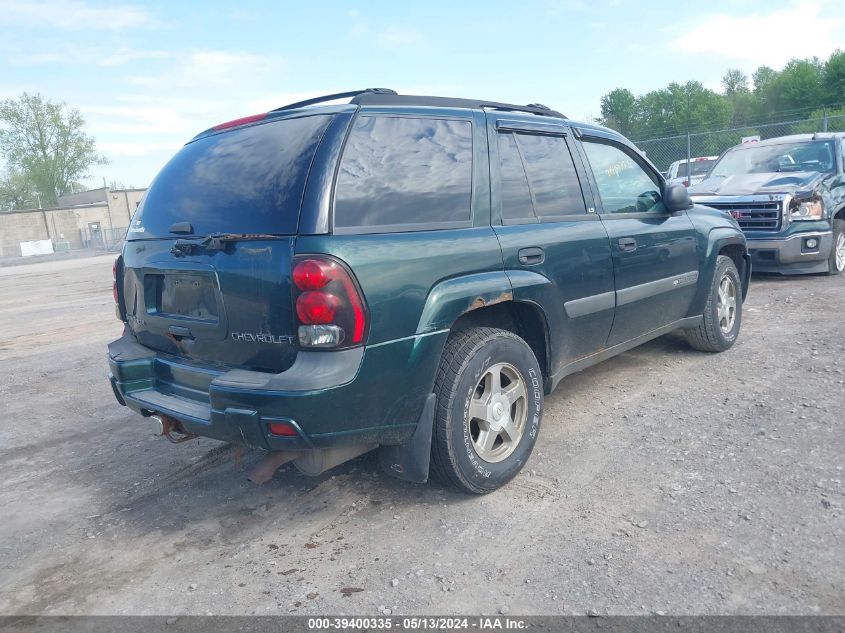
pixel 215 242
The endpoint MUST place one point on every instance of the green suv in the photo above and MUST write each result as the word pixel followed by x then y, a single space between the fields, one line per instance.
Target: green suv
pixel 408 274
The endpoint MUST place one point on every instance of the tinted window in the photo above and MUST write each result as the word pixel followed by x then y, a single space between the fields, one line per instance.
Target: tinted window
pixel 400 170
pixel 624 186
pixel 247 180
pixel 783 157
pixel 551 175
pixel 698 167
pixel 551 187
pixel 516 198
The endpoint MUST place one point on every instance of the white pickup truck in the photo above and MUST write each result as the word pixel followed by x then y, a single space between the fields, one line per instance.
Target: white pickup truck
pixel 698 168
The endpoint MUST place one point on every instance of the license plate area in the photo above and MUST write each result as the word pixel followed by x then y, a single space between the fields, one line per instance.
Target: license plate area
pixel 183 295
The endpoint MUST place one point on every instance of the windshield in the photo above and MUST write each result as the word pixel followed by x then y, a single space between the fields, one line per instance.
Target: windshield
pixel 697 167
pixel 762 159
pixel 247 180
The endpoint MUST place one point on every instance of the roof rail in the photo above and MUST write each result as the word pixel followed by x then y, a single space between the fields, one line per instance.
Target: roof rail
pixel 338 95
pixel 377 98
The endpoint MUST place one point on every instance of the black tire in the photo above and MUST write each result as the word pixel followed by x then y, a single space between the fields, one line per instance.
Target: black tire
pixel 469 358
pixel 838 234
pixel 710 335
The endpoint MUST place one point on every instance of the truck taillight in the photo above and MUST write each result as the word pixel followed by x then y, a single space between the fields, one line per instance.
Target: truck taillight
pixel 329 305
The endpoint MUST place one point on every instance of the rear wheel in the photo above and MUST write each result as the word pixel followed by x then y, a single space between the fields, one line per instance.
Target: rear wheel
pixel 722 315
pixel 836 263
pixel 489 401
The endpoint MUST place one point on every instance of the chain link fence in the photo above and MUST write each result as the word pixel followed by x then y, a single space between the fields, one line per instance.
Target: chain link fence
pixel 664 151
pixel 102 238
pixel 98 240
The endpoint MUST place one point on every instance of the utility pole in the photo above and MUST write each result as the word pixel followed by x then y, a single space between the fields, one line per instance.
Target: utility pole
pixel 824 121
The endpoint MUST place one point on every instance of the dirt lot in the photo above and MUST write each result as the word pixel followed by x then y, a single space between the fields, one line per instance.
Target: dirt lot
pixel 664 480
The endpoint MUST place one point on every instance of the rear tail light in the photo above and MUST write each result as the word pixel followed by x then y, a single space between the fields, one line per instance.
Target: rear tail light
pixel 329 304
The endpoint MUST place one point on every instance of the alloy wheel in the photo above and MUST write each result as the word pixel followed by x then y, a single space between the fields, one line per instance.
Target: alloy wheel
pixel 726 304
pixel 497 412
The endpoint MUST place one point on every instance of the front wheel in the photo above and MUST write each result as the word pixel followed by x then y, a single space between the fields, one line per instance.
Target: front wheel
pixel 489 393
pixel 836 263
pixel 722 315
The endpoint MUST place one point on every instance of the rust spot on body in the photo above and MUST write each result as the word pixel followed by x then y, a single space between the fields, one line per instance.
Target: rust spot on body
pixel 480 302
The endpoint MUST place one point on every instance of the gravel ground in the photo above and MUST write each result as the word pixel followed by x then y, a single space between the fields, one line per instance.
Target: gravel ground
pixel 664 480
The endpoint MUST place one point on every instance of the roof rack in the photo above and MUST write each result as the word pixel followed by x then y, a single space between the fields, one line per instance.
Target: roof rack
pixel 386 96
pixel 337 95
pixel 373 98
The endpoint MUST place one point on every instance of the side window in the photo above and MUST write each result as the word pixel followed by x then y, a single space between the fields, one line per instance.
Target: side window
pixel 405 171
pixel 538 177
pixel 516 197
pixel 623 185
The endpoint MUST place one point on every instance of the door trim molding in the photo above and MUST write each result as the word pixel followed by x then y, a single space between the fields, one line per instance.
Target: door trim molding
pixel 656 287
pixel 588 305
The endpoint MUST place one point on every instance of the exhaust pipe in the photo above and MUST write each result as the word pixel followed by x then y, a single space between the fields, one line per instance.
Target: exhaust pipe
pixel 167 426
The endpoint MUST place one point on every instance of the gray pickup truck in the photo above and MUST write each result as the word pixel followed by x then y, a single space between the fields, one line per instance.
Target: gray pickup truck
pixel 788 196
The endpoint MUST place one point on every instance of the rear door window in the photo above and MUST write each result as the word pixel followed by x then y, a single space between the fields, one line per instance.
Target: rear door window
pixel 538 178
pixel 246 180
pixel 405 173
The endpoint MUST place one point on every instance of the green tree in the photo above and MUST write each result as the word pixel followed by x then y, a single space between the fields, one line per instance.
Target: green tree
pixel 16 192
pixel 681 108
pixel 799 86
pixel 735 82
pixel 739 96
pixel 46 143
pixel 618 110
pixel 834 78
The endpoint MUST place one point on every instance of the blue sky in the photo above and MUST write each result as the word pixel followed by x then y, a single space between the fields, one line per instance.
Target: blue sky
pixel 149 75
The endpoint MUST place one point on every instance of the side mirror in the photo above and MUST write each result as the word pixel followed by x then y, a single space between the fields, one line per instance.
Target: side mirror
pixel 676 198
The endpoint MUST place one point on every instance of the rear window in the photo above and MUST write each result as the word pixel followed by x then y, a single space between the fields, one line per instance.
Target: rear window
pixel 247 180
pixel 697 167
pixel 405 173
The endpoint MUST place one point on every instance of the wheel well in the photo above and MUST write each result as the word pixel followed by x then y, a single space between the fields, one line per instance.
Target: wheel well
pixel 523 319
pixel 840 215
pixel 737 253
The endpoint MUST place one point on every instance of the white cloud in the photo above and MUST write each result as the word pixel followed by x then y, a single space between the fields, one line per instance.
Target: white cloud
pixel 210 69
pixel 81 56
pixel 390 36
pixel 73 15
pixel 399 36
pixel 805 29
pixel 138 119
pixel 136 149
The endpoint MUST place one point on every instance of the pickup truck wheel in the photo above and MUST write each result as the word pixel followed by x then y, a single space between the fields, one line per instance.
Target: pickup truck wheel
pixel 837 253
pixel 722 316
pixel 489 391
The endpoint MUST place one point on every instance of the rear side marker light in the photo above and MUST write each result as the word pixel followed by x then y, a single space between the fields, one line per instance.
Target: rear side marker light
pixel 282 429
